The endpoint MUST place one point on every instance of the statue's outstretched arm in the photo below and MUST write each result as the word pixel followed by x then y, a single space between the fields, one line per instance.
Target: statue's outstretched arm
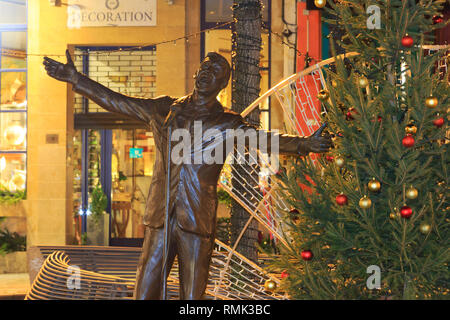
pixel 318 142
pixel 137 108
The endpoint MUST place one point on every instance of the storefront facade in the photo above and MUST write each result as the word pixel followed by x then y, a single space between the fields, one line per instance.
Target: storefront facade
pixel 57 146
pixel 64 131
pixel 52 138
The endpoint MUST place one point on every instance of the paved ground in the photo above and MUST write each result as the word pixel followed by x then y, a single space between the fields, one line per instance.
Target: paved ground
pixel 14 285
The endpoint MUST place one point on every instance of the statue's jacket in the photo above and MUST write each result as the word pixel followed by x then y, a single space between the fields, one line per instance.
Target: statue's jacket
pixel 193 186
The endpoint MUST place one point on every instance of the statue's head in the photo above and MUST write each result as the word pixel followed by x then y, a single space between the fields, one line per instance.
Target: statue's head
pixel 212 75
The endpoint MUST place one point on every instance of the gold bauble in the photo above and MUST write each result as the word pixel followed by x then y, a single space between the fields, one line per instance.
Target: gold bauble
pixel 374 185
pixel 323 95
pixel 320 3
pixel 270 285
pixel 363 82
pixel 365 202
pixel 412 193
pixel 340 161
pixel 394 215
pixel 431 102
pixel 425 228
pixel 410 129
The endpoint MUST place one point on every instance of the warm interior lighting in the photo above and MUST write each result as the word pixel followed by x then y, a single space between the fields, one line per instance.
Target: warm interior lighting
pixel 17 182
pixel 2 164
pixel 15 135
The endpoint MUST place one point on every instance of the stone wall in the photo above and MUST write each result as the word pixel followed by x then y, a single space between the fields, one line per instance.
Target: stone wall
pixel 51 109
pixel 14 262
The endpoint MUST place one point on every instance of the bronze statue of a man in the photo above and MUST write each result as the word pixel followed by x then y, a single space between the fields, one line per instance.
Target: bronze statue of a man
pixel 193 186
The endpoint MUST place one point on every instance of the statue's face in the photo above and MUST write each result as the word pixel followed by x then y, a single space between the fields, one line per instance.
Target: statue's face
pixel 211 77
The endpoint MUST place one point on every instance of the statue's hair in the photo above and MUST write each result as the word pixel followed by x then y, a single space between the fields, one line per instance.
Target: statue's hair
pixel 214 56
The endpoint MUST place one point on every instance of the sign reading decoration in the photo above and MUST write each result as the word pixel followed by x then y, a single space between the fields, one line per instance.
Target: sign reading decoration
pixel 111 13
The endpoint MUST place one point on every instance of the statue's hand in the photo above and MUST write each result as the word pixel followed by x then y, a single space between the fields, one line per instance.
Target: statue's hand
pixel 62 72
pixel 318 142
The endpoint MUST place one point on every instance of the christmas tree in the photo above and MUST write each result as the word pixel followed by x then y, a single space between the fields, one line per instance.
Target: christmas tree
pixel 369 220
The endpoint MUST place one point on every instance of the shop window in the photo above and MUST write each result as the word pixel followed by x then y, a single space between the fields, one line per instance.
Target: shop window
pixel 221 10
pixel 215 12
pixel 130 72
pixel 13 95
pixel 113 152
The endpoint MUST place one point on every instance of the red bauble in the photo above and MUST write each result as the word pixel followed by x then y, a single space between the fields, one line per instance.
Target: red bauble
pixel 341 199
pixel 439 122
pixel 280 172
pixel 407 41
pixel 406 212
pixel 307 255
pixel 379 119
pixel 330 158
pixel 408 141
pixel 437 19
pixel 284 274
pixel 351 114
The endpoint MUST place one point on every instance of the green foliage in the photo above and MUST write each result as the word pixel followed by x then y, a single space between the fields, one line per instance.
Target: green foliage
pixel 8 197
pixel 268 246
pixel 122 177
pixel 345 240
pixel 98 204
pixel 84 238
pixel 11 242
pixel 224 197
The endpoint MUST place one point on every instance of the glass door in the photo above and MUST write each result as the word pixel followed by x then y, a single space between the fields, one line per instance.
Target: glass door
pixel 132 159
pixel 118 162
pixel 113 155
pixel 90 187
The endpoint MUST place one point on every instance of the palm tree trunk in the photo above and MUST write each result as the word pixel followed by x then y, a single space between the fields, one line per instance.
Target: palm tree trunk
pixel 245 89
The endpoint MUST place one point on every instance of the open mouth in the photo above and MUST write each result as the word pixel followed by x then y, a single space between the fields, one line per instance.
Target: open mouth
pixel 203 80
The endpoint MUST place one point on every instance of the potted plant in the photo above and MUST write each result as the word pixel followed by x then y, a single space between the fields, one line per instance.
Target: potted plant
pixel 11 203
pixel 98 220
pixel 13 257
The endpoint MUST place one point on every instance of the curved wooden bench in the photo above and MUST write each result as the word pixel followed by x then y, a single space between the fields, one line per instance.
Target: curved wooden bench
pixel 110 272
pixel 49 272
pixel 57 280
pixel 115 261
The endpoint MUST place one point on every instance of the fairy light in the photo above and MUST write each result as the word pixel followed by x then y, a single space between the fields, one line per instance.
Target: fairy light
pixel 120 49
pixel 20 54
pixel 281 37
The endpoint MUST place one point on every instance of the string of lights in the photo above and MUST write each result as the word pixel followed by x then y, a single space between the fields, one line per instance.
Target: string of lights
pixel 292 46
pixel 21 54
